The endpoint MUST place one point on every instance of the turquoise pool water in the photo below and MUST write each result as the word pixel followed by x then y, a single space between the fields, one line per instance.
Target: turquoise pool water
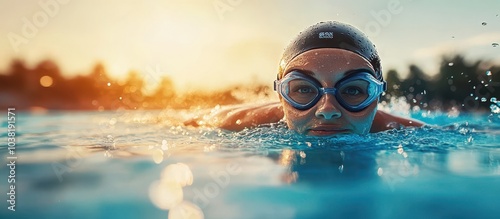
pixel 141 164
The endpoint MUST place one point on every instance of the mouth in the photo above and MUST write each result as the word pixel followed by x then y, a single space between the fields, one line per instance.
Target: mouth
pixel 325 131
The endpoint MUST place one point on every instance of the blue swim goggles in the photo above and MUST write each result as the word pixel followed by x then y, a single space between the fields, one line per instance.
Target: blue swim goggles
pixel 355 92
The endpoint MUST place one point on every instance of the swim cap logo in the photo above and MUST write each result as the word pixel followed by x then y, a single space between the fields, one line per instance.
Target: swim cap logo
pixel 326 35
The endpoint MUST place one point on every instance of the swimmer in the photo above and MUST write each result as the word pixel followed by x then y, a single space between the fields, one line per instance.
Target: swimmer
pixel 329 82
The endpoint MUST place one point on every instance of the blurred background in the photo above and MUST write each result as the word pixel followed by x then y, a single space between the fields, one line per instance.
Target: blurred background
pixel 104 55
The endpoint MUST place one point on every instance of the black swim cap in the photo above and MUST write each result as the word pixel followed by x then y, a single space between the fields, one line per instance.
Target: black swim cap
pixel 332 34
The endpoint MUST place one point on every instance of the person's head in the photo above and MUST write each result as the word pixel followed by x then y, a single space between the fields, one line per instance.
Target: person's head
pixel 330 80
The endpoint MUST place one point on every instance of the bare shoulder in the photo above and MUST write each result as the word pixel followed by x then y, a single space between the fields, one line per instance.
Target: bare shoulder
pixel 237 118
pixel 385 121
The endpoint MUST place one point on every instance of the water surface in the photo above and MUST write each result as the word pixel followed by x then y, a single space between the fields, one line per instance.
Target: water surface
pixel 143 164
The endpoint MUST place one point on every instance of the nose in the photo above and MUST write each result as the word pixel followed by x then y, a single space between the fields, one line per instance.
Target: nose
pixel 326 108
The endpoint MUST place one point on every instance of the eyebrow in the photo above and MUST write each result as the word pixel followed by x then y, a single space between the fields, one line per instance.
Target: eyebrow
pixel 303 71
pixel 358 70
pixel 347 73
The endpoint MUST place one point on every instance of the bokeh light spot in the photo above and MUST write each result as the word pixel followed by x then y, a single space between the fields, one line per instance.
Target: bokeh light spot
pixel 46 81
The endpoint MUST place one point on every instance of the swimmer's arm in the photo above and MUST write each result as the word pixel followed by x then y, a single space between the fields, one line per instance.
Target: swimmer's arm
pixel 236 119
pixel 385 121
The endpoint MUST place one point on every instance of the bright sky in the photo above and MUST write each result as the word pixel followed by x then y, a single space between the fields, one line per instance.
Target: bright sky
pixel 211 43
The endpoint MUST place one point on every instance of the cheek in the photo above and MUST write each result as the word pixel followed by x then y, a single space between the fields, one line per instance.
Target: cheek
pixel 296 119
pixel 363 120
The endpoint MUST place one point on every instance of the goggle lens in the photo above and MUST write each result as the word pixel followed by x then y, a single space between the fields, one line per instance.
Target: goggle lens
pixel 302 91
pixel 354 92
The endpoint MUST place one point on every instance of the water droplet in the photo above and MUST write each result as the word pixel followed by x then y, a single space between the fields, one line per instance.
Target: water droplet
pixel 488 73
pixel 495 44
pixel 450 64
pixel 164 145
pixel 302 154
pixel 484 23
pixel 494 108
pixel 483 99
pixel 109 84
pixel 380 171
pixel 470 139
pixel 400 149
pixel 493 100
pixel 238 122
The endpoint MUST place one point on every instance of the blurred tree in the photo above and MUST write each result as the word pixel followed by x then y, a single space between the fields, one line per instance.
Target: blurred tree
pixel 132 95
pixel 393 84
pixel 462 84
pixel 46 87
pixel 416 86
pixel 16 76
pixel 164 95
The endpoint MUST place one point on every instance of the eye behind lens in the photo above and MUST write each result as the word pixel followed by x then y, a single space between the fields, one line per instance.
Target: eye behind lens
pixel 302 91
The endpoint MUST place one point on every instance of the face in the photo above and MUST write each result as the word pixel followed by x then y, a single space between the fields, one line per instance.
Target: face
pixel 327 117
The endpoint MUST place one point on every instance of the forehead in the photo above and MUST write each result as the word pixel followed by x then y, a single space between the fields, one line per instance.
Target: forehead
pixel 329 64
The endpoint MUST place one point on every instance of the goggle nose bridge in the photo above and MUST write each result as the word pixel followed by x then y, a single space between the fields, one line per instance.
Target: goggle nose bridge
pixel 328 90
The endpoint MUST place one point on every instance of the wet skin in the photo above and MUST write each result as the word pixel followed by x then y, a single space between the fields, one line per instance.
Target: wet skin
pixel 327 117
